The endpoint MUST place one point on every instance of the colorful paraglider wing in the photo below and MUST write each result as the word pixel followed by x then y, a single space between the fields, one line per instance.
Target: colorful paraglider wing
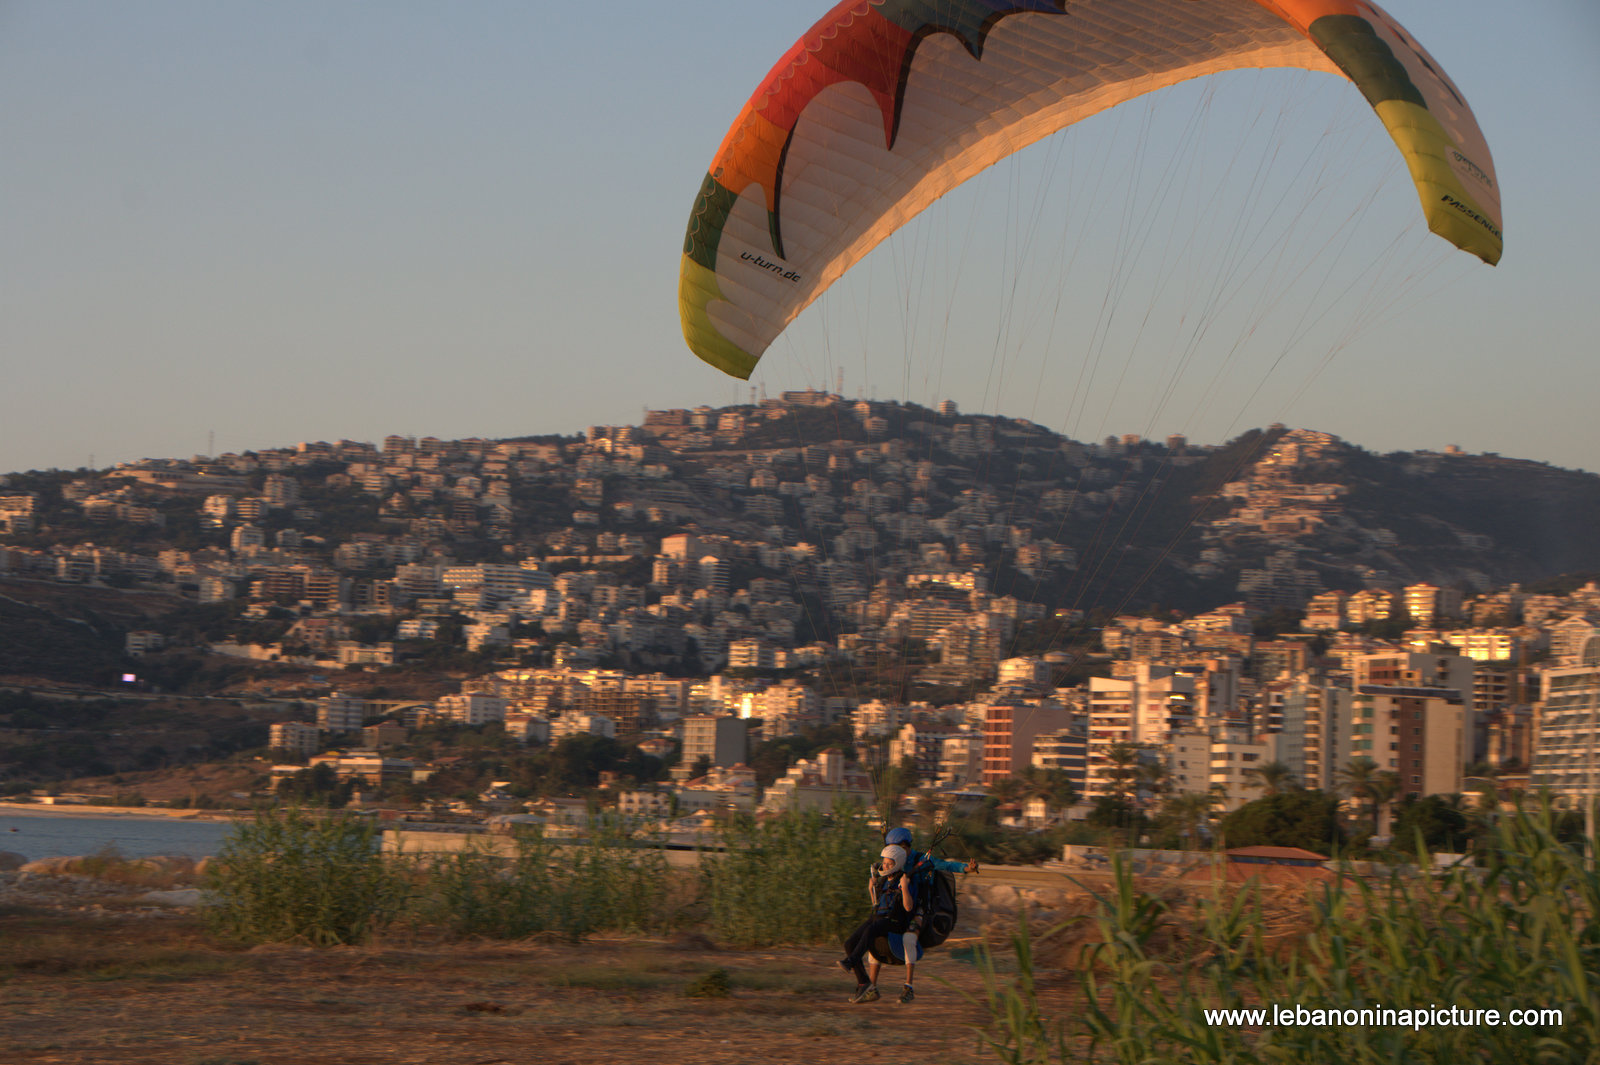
pixel 886 105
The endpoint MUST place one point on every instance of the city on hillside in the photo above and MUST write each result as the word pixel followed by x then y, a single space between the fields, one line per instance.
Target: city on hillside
pixel 805 601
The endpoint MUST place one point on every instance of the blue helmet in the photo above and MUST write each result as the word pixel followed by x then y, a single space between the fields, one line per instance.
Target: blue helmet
pixel 897 837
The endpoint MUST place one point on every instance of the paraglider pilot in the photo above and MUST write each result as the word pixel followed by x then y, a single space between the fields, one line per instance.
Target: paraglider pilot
pixel 893 904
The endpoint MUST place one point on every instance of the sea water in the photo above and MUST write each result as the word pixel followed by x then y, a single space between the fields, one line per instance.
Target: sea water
pixel 49 835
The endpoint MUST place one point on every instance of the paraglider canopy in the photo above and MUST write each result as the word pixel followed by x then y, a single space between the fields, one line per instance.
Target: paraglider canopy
pixel 885 105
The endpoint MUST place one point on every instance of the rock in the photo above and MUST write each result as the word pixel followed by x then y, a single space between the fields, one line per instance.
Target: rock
pixel 10 861
pixel 52 866
pixel 998 896
pixel 181 898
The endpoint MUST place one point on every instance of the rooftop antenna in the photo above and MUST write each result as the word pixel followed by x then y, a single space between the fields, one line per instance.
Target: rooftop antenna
pixel 211 443
pixel 838 389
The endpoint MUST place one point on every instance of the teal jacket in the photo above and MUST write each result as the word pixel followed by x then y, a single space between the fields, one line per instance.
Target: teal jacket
pixel 943 865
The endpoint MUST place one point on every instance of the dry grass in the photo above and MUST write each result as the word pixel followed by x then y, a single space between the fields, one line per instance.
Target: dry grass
pixel 50 943
pixel 131 992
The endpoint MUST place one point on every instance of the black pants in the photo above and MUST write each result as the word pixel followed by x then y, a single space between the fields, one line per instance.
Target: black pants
pixel 860 941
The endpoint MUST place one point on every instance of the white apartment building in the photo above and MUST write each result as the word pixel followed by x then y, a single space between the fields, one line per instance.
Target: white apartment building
pixel 1486 645
pixel 529 728
pixel 751 654
pixel 1325 612
pixel 1142 710
pixel 878 718
pixel 341 713
pixel 1372 604
pixel 580 724
pixel 961 759
pixel 1234 752
pixel 819 785
pixel 295 736
pixel 721 740
pixel 246 539
pixel 1034 672
pixel 471 708
pixel 1189 760
pixel 1064 751
pixel 923 745
pixel 1566 745
pixel 1310 742
pixel 495 581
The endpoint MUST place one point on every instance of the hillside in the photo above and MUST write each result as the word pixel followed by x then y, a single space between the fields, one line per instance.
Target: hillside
pixel 870 492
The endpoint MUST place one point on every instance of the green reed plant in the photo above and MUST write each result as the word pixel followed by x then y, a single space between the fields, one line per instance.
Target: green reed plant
pixel 799 878
pixel 1019 1033
pixel 292 874
pixel 608 881
pixel 1516 933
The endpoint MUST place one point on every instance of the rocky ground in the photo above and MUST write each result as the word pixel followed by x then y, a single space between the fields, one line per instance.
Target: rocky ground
pixel 91 896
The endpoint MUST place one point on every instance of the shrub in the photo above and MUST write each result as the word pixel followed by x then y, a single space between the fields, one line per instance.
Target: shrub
pixel 1440 825
pixel 1308 819
pixel 604 883
pixel 713 984
pixel 795 879
pixel 292 874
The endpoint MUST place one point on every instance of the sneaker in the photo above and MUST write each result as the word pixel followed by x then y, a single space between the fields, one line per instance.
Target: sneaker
pixel 844 963
pixel 869 993
pixel 907 995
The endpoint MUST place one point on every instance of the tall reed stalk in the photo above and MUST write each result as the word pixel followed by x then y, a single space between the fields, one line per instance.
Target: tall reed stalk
pixel 1518 932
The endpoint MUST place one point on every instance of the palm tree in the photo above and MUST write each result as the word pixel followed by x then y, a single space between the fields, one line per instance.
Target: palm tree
pixel 1052 785
pixel 1386 789
pixel 1123 759
pixel 1007 790
pixel 1272 778
pixel 1154 778
pixel 1191 810
pixel 1359 780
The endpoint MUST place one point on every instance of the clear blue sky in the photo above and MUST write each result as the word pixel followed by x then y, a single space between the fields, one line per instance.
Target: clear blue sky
pixel 286 221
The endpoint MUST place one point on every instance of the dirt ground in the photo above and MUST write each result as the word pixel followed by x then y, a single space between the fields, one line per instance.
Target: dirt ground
pixel 116 984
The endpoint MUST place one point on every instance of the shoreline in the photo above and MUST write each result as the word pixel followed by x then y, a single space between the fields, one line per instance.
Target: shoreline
pixel 148 813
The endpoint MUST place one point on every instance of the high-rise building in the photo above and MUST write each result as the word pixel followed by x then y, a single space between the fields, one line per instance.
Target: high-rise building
pixel 1142 710
pixel 1420 734
pixel 1067 751
pixel 1427 669
pixel 1009 729
pixel 1309 744
pixel 1566 747
pixel 723 739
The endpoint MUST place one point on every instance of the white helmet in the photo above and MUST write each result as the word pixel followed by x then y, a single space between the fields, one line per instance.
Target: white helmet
pixel 896 856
